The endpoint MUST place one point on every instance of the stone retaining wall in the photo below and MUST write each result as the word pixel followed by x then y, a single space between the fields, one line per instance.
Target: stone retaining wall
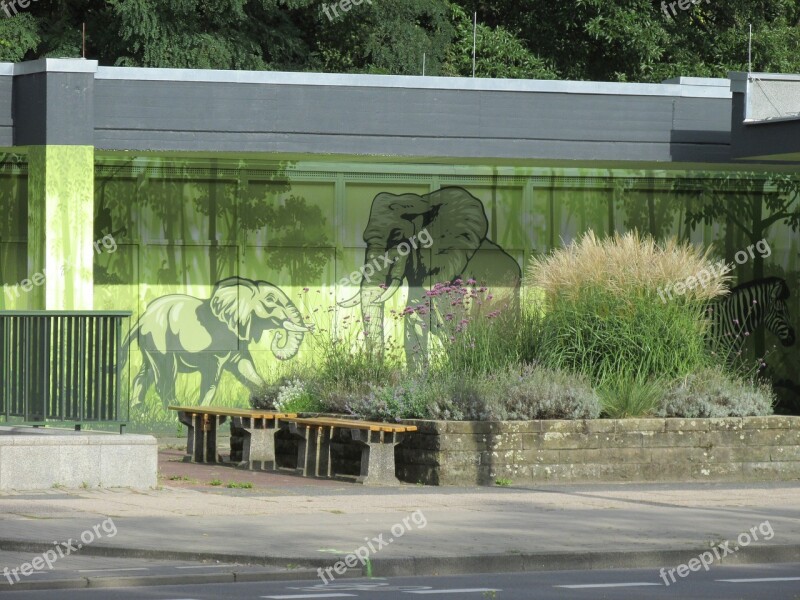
pixel 636 450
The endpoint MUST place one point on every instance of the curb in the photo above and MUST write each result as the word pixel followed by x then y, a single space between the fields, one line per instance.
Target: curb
pixel 572 561
pixel 152 580
pixel 388 567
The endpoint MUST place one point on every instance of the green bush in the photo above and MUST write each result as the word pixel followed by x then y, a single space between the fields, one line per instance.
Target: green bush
pixel 532 392
pixel 636 337
pixel 407 400
pixel 715 394
pixel 341 358
pixel 478 330
pixel 288 395
pixel 623 398
pixel 606 315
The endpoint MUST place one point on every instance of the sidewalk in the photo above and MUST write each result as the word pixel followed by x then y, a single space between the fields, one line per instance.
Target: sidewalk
pixel 290 521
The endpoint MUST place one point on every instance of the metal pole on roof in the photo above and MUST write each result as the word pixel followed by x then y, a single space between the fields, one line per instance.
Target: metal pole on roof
pixel 750 51
pixel 474 40
pixel 423 64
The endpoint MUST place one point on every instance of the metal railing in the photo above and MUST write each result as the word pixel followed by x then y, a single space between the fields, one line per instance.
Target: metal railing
pixel 61 365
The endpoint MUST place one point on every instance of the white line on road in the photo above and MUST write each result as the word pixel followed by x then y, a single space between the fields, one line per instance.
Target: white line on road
pixel 605 585
pixel 104 570
pixel 206 567
pixel 311 596
pixel 761 580
pixel 464 591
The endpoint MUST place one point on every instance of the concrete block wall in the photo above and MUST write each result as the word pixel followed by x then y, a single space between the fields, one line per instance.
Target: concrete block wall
pixel 35 459
pixel 605 450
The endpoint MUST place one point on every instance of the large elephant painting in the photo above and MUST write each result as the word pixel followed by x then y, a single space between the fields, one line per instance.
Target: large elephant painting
pixel 183 334
pixel 455 223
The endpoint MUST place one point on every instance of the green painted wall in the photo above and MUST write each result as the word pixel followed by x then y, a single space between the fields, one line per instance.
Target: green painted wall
pixel 170 228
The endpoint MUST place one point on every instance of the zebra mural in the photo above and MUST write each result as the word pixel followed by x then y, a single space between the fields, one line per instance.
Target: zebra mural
pixel 750 305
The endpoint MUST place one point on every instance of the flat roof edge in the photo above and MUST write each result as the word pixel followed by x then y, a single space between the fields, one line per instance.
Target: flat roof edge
pixel 412 82
pixel 52 65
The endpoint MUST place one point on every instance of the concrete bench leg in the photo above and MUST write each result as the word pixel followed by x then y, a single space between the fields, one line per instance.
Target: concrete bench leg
pixel 258 450
pixel 313 450
pixel 201 437
pixel 377 456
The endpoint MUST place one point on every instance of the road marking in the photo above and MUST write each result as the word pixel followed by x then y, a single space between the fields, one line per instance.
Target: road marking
pixel 761 580
pixel 312 596
pixel 206 567
pixel 104 570
pixel 605 585
pixel 464 591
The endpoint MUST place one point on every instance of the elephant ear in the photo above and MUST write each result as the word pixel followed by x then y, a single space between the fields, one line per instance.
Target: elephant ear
pixel 391 218
pixel 233 302
pixel 458 230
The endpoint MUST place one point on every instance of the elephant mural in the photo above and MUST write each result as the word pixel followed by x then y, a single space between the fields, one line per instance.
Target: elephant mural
pixel 455 223
pixel 183 334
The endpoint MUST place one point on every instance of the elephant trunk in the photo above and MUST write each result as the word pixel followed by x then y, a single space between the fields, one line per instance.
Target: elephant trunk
pixel 287 340
pixel 374 294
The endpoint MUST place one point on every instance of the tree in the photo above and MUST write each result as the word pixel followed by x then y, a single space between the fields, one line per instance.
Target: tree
pixel 634 40
pixel 499 53
pixel 19 36
pixel 386 37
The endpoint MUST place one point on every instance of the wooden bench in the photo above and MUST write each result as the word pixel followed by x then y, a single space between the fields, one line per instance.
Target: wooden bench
pixel 377 441
pixel 259 426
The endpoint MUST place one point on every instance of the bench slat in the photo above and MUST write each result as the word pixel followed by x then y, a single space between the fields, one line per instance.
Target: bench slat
pixel 353 424
pixel 232 412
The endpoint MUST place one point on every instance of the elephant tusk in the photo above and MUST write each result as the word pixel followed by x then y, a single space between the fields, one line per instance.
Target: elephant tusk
pixel 289 326
pixel 389 292
pixel 351 302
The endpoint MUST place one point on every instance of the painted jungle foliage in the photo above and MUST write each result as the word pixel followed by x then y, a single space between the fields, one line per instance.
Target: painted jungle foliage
pixel 231 266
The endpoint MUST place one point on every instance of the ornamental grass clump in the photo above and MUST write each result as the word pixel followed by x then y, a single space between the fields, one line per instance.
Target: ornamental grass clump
pixel 627 264
pixel 603 315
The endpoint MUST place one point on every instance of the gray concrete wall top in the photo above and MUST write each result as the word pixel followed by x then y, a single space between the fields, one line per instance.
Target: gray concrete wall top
pixel 683 120
pixel 766 117
pixel 692 87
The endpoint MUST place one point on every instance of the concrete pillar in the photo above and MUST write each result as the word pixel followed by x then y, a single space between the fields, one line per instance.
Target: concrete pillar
pixel 53 104
pixel 60 227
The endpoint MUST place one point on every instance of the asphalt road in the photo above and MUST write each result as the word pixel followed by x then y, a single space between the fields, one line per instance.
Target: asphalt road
pixel 757 582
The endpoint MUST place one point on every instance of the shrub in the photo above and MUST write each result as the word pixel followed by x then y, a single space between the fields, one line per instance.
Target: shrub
pixel 341 357
pixel 603 314
pixel 713 393
pixel 287 395
pixel 607 336
pixel 622 398
pixel 477 330
pixel 533 392
pixel 407 400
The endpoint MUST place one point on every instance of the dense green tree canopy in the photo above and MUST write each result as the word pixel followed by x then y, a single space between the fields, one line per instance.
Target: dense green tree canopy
pixel 617 40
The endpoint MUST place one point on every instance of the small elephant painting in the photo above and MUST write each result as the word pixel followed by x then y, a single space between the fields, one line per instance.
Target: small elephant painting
pixel 183 334
pixel 454 223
